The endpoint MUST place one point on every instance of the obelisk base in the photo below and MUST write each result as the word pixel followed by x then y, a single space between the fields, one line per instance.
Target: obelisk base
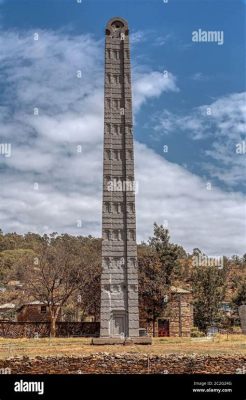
pixel 145 340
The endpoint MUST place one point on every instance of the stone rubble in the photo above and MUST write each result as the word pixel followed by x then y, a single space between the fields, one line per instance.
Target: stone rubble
pixel 127 363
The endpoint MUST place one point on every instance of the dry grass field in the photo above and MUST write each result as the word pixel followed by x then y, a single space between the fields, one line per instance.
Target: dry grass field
pixel 221 344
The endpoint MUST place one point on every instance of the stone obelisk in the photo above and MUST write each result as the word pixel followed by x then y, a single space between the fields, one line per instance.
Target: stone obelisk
pixel 119 281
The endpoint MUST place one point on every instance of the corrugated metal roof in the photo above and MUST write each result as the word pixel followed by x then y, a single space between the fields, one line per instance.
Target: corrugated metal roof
pixel 7 305
pixel 175 289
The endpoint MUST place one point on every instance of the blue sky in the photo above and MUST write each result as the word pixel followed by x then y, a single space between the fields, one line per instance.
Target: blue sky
pixel 197 188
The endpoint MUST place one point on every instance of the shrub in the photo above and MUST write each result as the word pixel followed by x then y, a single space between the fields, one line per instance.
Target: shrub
pixel 196 333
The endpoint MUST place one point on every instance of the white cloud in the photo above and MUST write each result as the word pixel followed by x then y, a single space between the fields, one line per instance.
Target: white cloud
pixel 211 220
pixel 224 123
pixel 199 76
pixel 153 84
pixel 162 40
pixel 137 37
pixel 43 74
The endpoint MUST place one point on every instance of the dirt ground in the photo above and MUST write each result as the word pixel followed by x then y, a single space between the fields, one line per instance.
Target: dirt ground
pixel 221 344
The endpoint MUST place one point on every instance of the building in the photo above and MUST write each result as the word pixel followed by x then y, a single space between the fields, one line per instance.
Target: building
pixel 7 312
pixel 181 312
pixel 35 311
pixel 119 316
pixel 177 319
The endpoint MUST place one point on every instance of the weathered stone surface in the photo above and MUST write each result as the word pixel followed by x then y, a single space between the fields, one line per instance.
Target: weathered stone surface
pixel 106 341
pixel 139 340
pixel 128 363
pixel 110 341
pixel 119 291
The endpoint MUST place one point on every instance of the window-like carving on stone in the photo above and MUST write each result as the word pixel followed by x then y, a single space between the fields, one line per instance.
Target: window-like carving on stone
pixel 115 235
pixel 131 234
pixel 108 55
pixel 132 262
pixel 107 207
pixel 129 155
pixel 107 180
pixel 115 54
pixel 115 129
pixel 108 104
pixel 128 129
pixel 127 79
pixel 116 104
pixel 119 182
pixel 130 208
pixel 127 54
pixel 108 154
pixel 115 155
pixel 122 262
pixel 114 208
pixel 115 289
pixel 107 128
pixel 107 234
pixel 115 79
pixel 108 80
pixel 119 262
pixel 133 288
pixel 106 287
pixel 128 104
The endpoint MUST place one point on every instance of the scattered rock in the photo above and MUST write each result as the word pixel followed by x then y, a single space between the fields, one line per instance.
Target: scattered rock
pixel 128 363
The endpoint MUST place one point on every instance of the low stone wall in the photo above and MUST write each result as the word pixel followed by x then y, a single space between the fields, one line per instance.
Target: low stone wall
pixel 11 329
pixel 128 363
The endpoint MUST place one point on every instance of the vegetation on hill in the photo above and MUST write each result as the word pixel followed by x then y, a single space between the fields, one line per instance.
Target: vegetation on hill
pixel 65 270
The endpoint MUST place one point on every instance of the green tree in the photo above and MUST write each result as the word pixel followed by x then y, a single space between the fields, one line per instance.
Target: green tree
pixel 167 253
pixel 208 292
pixel 62 267
pixel 157 263
pixel 240 296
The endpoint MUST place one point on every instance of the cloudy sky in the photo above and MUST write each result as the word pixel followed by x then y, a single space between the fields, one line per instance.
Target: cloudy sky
pixel 189 114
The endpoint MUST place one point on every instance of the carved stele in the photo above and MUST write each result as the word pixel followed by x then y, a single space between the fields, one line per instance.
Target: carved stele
pixel 119 281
